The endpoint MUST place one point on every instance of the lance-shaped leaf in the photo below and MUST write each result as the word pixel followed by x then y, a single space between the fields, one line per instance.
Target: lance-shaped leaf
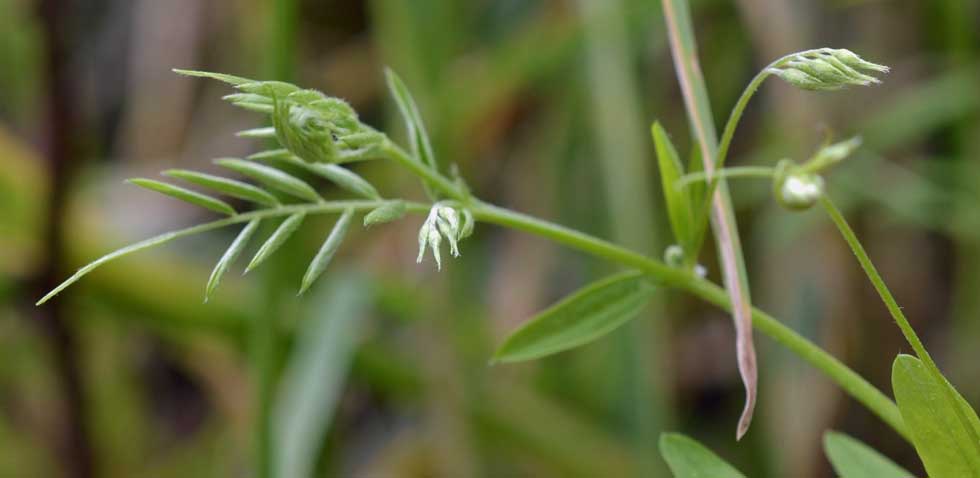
pixel 326 252
pixel 853 459
pixel 187 195
pixel 339 175
pixel 413 120
pixel 272 244
pixel 582 317
pixel 226 186
pixel 230 79
pixel 258 133
pixel 234 250
pixel 940 438
pixel 678 199
pixel 386 213
pixel 272 177
pixel 689 459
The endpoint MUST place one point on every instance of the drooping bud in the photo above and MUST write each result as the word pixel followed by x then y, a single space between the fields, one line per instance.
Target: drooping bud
pixel 443 221
pixel 826 69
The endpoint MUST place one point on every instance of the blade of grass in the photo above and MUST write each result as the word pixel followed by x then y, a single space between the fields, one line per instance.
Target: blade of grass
pixel 684 52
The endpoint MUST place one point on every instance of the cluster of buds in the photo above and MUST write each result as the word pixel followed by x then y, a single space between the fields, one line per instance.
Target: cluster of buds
pixel 827 69
pixel 798 187
pixel 311 125
pixel 444 221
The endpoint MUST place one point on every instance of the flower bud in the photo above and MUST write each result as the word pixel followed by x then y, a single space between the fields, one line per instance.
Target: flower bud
pixel 443 221
pixel 674 255
pixel 794 189
pixel 826 69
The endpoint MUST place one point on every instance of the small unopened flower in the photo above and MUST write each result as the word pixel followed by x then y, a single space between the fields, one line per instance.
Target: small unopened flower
pixel 443 221
pixel 827 69
pixel 795 189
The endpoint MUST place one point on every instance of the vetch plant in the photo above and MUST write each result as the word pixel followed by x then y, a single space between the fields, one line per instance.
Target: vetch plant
pixel 319 134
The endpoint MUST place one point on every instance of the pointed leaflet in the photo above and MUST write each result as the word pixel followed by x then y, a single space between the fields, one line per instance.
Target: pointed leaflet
pixel 689 459
pixel 677 15
pixel 230 79
pixel 339 175
pixel 229 256
pixel 414 128
pixel 272 177
pixel 582 317
pixel 937 433
pixel 186 195
pixel 259 133
pixel 282 233
pixel 678 199
pixel 853 459
pixel 225 186
pixel 322 258
pixel 387 213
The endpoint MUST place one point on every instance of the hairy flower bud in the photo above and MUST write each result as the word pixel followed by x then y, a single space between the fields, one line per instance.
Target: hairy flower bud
pixel 443 221
pixel 826 69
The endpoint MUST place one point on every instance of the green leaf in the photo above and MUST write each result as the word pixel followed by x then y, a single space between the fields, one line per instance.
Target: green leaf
pixel 414 128
pixel 387 213
pixel 322 258
pixel 937 433
pixel 230 79
pixel 853 459
pixel 185 195
pixel 339 175
pixel 678 200
pixel 229 257
pixel 258 133
pixel 689 459
pixel 272 177
pixel 226 186
pixel 314 377
pixel 580 318
pixel 281 234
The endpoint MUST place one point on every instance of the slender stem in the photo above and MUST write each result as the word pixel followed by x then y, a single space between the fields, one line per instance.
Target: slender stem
pixel 897 314
pixel 847 379
pixel 430 176
pixel 728 173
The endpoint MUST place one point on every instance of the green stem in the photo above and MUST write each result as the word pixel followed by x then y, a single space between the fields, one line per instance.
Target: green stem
pixel 898 315
pixel 728 173
pixel 847 379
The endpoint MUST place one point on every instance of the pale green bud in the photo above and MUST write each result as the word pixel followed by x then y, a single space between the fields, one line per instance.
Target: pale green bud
pixel 826 70
pixel 794 189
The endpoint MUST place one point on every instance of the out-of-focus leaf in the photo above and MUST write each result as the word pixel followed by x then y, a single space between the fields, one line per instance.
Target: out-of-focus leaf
pixel 272 244
pixel 272 177
pixel 259 133
pixel 226 186
pixel 580 318
pixel 230 79
pixel 314 376
pixel 678 199
pixel 689 459
pixel 186 195
pixel 326 252
pixel 937 433
pixel 229 257
pixel 414 128
pixel 387 213
pixel 853 459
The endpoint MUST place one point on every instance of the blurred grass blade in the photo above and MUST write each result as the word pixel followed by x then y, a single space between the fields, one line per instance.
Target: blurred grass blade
pixel 185 195
pixel 853 459
pixel 272 244
pixel 326 252
pixel 230 79
pixel 259 133
pixel 387 213
pixel 690 459
pixel 226 186
pixel 677 15
pixel 582 317
pixel 272 177
pixel 942 443
pixel 229 257
pixel 678 200
pixel 313 380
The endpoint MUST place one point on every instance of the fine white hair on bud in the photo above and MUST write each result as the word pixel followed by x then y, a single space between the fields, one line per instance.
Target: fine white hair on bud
pixel 443 221
pixel 826 69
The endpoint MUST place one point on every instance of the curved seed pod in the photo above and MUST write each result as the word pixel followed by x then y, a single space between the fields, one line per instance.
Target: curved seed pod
pixel 272 177
pixel 226 186
pixel 326 252
pixel 272 244
pixel 187 195
pixel 229 256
